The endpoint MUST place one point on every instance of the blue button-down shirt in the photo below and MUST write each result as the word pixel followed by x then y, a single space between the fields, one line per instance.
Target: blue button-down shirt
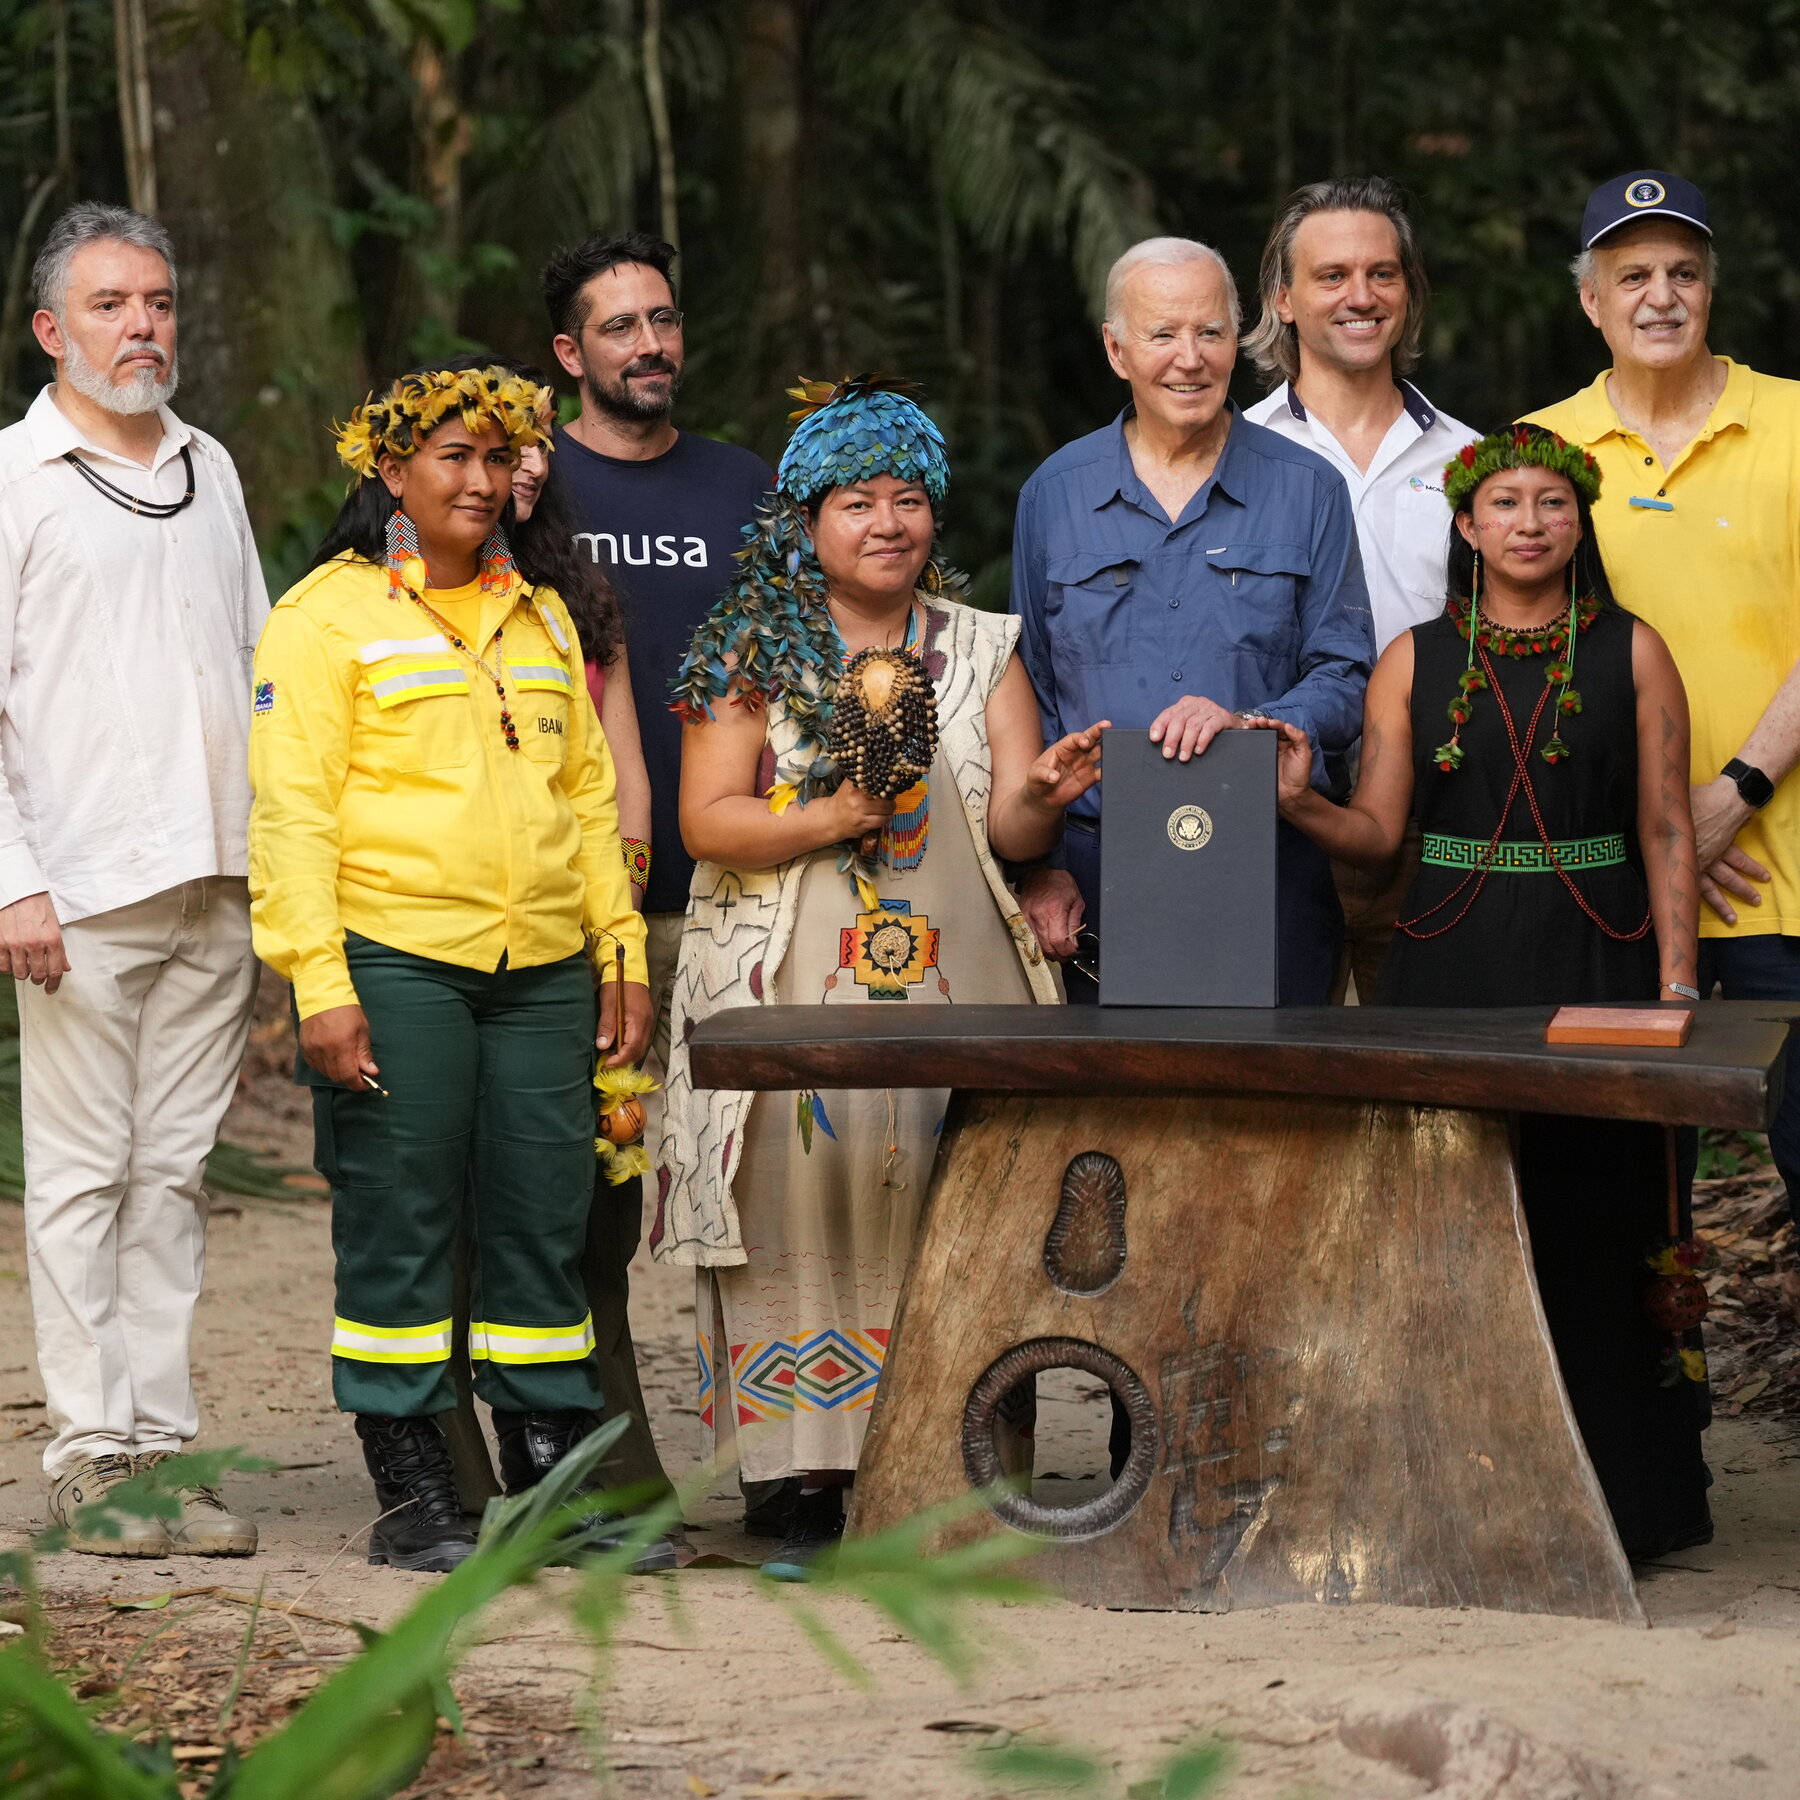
pixel 1254 597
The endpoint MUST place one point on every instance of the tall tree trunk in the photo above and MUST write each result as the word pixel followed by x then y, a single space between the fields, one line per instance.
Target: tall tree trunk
pixel 656 103
pixel 137 129
pixel 1281 113
pixel 441 136
pixel 770 78
pixel 55 182
pixel 269 350
pixel 1345 98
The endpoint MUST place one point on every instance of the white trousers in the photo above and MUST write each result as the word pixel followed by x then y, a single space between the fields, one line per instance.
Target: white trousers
pixel 127 1070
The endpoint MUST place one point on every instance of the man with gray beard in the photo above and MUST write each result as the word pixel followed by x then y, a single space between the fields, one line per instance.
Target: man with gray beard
pixel 130 603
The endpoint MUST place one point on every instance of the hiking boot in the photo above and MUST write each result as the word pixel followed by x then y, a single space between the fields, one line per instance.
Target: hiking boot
pixel 207 1527
pixel 94 1480
pixel 423 1526
pixel 816 1526
pixel 533 1443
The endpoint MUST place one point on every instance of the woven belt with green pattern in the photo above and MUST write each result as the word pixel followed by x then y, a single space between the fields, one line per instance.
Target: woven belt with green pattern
pixel 1522 858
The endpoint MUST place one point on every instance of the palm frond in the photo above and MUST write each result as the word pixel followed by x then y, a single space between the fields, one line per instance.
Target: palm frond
pixel 1010 142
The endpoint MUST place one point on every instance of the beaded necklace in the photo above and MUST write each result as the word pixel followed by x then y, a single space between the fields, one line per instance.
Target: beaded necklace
pixel 882 736
pixel 1520 745
pixel 1558 637
pixel 496 676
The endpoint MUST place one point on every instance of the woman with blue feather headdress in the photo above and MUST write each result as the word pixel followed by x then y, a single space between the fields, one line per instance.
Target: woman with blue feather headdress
pixel 863 751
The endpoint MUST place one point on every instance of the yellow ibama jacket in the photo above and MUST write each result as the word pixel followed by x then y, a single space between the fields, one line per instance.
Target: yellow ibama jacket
pixel 388 803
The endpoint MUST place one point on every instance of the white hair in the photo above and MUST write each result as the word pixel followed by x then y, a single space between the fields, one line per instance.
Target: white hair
pixel 1170 253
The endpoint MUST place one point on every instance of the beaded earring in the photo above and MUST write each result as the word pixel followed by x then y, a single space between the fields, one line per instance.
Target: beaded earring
pixel 1448 756
pixel 497 565
pixel 1562 668
pixel 402 548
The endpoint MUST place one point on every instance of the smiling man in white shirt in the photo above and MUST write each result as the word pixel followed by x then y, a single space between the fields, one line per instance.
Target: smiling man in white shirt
pixel 130 602
pixel 1343 310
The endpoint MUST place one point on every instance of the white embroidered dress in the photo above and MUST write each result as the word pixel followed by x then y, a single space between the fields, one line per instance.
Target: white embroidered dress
pixel 806 1226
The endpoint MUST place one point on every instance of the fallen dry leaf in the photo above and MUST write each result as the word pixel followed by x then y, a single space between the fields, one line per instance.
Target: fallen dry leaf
pixel 788 1793
pixel 699 1787
pixel 1724 1629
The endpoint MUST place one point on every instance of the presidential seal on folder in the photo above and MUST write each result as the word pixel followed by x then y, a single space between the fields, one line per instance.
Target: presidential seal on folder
pixel 1187 873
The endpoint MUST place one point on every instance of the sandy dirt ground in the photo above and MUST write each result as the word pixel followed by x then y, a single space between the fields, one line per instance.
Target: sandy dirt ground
pixel 714 1691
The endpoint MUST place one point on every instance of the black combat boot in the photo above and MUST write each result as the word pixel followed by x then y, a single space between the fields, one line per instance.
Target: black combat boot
pixel 412 1469
pixel 533 1443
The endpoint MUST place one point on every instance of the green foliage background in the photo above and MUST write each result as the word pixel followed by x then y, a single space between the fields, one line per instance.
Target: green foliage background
pixel 930 186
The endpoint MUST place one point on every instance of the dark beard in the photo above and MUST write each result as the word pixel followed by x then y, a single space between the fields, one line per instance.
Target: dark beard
pixel 617 398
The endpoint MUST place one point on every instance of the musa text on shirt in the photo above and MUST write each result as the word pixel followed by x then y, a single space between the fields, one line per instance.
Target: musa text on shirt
pixel 666 555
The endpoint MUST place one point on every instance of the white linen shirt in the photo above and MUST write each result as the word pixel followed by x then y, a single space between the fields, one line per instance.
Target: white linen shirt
pixel 125 657
pixel 1402 517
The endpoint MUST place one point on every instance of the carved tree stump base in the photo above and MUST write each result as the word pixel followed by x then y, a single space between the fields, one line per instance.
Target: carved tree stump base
pixel 1321 1319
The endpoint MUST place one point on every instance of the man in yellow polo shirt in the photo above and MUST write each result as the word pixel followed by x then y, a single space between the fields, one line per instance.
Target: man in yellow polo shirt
pixel 1699 522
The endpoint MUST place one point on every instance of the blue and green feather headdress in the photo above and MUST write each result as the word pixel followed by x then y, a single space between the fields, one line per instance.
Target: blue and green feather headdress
pixel 771 631
pixel 856 429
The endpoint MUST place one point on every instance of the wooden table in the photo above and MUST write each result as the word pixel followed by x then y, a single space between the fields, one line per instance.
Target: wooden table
pixel 1290 1242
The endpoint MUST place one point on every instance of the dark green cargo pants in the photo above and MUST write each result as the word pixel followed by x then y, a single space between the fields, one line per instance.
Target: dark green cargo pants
pixel 489 1078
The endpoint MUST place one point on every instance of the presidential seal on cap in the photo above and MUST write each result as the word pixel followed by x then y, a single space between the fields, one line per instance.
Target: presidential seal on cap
pixel 1644 194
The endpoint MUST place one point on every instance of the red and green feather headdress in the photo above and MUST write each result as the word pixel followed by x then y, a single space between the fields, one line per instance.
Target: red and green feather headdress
pixel 1519 447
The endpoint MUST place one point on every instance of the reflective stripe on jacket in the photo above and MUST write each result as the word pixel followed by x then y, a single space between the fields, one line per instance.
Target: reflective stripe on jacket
pixel 387 801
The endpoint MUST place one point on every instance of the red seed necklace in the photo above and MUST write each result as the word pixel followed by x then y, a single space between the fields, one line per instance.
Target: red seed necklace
pixel 496 675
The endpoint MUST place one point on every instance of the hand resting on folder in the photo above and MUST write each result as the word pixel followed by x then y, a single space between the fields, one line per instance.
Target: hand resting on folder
pixel 1049 898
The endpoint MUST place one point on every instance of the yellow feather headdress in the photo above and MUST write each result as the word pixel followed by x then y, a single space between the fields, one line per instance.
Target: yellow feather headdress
pixel 402 418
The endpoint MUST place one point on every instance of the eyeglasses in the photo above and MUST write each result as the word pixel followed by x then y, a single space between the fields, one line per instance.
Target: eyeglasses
pixel 622 328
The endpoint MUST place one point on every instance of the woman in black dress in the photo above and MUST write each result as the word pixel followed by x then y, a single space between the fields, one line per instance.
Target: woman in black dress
pixel 1558 867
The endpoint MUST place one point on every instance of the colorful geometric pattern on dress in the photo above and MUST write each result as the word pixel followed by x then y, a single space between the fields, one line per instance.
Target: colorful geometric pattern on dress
pixel 825 1371
pixel 889 949
pixel 1512 857
pixel 707 1385
pixel 904 838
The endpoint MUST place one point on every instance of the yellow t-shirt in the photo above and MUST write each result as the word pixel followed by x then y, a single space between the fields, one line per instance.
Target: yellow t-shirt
pixel 1718 574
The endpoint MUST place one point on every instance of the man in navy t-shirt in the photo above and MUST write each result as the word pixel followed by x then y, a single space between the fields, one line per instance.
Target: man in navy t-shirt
pixel 663 512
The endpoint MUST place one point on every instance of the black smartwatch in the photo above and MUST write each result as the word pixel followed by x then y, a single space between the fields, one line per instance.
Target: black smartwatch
pixel 1754 788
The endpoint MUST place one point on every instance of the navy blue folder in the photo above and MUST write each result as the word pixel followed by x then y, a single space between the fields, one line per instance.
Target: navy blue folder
pixel 1187 873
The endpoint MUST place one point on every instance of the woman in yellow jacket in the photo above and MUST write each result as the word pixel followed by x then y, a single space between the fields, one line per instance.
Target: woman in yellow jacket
pixel 436 867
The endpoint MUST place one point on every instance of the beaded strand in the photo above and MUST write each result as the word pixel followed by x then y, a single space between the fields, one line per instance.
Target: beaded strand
pixel 506 719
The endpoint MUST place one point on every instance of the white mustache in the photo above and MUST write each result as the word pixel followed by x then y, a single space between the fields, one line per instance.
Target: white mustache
pixel 143 347
pixel 1677 314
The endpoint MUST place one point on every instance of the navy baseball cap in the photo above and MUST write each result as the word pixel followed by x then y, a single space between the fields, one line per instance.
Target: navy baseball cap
pixel 1643 194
